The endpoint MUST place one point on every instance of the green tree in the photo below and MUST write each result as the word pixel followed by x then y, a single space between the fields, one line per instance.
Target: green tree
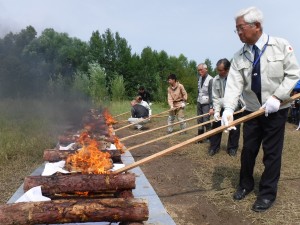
pixel 118 88
pixel 210 68
pixel 97 85
pixel 81 83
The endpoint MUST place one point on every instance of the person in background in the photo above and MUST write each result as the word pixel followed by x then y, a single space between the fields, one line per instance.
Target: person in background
pixel 218 89
pixel 204 101
pixel 144 94
pixel 294 109
pixel 177 97
pixel 139 112
pixel 140 101
pixel 265 70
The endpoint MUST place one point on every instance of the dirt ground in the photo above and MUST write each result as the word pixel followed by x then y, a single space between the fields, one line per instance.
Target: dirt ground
pixel 197 198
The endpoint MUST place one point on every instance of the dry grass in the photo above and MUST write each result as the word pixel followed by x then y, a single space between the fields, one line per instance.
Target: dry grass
pixel 219 176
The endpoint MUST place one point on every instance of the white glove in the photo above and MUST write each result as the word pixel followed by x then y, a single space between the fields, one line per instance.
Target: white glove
pixel 217 116
pixel 272 105
pixel 182 104
pixel 227 118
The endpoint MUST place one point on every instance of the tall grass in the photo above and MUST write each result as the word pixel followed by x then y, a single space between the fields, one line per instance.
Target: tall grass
pixel 27 128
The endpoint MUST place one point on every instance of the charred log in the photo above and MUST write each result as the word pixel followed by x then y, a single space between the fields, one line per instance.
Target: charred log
pixel 71 183
pixel 93 195
pixel 54 155
pixel 71 211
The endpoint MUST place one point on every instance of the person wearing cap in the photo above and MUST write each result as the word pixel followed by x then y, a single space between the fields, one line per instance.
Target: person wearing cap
pixel 139 112
pixel 177 97
pixel 265 70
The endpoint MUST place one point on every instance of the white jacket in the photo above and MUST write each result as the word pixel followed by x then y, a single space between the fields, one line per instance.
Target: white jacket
pixel 279 74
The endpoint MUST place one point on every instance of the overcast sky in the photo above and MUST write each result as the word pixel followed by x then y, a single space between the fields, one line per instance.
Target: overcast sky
pixel 198 29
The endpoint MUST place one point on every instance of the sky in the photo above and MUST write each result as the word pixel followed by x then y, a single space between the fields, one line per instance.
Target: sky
pixel 197 29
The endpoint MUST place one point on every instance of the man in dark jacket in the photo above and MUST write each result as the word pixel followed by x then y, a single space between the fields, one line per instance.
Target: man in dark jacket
pixel 139 114
pixel 144 94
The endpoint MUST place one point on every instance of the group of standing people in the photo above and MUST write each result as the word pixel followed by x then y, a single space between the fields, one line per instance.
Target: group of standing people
pixel 262 74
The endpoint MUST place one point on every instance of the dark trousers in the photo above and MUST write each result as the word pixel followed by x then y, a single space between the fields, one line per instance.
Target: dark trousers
pixel 233 138
pixel 203 109
pixel 268 132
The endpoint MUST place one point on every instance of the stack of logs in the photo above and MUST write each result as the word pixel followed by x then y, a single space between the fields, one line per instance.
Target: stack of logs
pixel 78 197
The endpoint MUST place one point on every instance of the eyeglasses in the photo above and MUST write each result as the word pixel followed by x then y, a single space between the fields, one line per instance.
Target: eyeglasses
pixel 242 27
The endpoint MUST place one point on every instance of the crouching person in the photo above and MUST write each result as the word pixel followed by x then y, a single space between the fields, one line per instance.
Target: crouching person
pixel 139 113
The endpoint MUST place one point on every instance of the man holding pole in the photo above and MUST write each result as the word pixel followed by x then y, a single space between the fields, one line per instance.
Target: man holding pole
pixel 204 101
pixel 265 71
pixel 218 89
pixel 177 97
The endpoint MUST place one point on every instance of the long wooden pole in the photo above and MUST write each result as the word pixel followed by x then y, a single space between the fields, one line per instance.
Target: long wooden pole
pixel 192 140
pixel 121 114
pixel 177 132
pixel 199 137
pixel 153 116
pixel 161 127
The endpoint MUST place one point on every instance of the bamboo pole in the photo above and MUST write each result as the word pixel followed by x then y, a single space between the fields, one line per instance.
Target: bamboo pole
pixel 161 127
pixel 151 117
pixel 174 133
pixel 121 114
pixel 192 140
pixel 199 137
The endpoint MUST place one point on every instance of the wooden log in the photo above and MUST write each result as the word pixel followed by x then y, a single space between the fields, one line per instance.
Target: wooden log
pixel 72 211
pixel 67 139
pixel 93 195
pixel 70 183
pixel 54 155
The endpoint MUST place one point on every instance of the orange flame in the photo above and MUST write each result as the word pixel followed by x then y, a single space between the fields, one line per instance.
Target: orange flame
pixel 109 119
pixel 118 144
pixel 82 193
pixel 89 159
pixel 111 131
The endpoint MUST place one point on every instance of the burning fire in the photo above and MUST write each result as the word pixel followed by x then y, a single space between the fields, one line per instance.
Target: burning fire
pixel 89 159
pixel 111 131
pixel 118 144
pixel 109 119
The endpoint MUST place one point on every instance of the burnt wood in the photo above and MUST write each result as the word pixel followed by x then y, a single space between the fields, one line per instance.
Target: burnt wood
pixel 75 210
pixel 54 155
pixel 70 183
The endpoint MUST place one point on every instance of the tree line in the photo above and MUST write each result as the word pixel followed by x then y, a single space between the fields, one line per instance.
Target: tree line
pixel 104 68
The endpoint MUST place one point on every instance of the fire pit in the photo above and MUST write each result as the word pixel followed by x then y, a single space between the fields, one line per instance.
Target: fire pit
pixel 85 188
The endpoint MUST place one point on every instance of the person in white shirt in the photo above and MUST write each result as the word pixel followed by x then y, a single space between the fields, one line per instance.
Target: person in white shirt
pixel 265 70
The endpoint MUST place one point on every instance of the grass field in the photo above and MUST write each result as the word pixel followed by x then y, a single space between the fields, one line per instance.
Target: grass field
pixel 29 127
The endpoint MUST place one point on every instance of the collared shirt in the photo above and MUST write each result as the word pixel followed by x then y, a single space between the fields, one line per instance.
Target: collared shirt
pixel 176 95
pixel 204 89
pixel 279 74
